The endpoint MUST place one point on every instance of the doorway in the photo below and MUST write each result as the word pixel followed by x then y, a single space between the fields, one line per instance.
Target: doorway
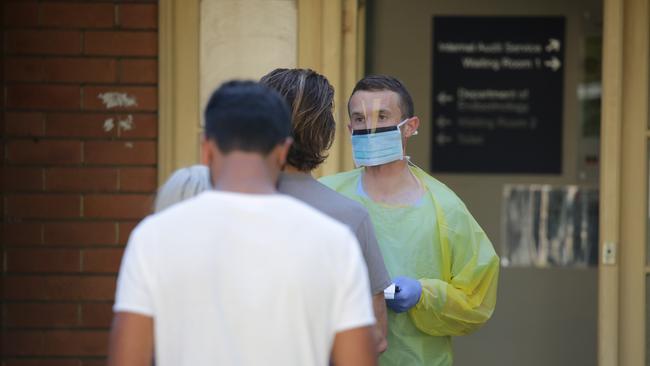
pixel 554 314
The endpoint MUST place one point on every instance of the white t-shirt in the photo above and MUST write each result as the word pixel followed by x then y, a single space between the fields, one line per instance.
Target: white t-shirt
pixel 235 279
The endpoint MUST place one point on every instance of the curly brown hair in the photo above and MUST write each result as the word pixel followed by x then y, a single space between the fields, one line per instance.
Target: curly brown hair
pixel 311 100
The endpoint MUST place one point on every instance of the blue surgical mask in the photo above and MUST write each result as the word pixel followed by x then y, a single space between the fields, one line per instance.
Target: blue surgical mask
pixel 377 146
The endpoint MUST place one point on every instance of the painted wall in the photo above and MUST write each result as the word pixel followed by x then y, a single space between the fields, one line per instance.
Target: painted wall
pixel 231 48
pixel 543 317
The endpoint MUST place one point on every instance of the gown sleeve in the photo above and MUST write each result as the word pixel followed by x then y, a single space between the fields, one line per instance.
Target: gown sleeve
pixel 464 299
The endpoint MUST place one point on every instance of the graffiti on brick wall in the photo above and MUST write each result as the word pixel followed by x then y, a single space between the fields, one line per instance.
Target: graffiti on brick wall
pixel 118 100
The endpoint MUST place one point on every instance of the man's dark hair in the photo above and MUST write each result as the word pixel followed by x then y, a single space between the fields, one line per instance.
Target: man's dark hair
pixel 246 116
pixel 385 82
pixel 310 97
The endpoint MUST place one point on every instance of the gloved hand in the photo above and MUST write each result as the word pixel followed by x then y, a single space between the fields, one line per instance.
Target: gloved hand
pixel 408 295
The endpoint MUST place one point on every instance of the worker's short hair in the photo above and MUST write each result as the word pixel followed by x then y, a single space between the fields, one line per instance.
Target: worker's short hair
pixel 246 116
pixel 311 100
pixel 385 82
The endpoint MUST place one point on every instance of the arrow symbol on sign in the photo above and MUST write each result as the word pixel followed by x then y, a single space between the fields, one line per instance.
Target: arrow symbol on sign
pixel 553 45
pixel 443 122
pixel 444 98
pixel 443 139
pixel 553 64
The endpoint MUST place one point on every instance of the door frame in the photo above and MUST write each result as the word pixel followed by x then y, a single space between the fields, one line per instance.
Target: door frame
pixel 178 85
pixel 624 184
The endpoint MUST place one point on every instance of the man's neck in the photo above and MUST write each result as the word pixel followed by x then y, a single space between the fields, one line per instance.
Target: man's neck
pixel 245 173
pixel 392 183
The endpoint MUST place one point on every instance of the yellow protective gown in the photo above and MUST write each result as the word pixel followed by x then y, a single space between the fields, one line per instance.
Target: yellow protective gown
pixel 438 242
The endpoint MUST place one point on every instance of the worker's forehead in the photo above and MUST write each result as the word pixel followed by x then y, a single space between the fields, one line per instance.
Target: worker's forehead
pixel 365 101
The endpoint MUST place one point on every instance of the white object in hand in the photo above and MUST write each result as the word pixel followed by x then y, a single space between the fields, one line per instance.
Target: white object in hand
pixel 389 292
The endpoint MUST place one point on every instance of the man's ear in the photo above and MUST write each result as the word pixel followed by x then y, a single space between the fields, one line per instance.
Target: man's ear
pixel 282 151
pixel 412 126
pixel 209 151
pixel 350 128
pixel 212 157
pixel 206 152
pixel 278 156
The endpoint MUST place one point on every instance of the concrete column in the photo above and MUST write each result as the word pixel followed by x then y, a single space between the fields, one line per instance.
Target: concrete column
pixel 245 39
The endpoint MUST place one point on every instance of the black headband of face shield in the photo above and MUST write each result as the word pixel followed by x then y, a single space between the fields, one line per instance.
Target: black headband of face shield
pixel 373 130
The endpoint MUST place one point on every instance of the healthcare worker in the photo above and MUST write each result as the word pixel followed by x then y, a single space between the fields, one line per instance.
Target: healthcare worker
pixel 440 259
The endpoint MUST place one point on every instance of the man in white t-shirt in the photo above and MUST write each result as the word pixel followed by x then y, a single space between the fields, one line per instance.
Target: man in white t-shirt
pixel 240 275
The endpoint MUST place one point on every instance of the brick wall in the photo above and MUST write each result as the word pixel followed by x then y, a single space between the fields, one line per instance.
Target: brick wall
pixel 79 169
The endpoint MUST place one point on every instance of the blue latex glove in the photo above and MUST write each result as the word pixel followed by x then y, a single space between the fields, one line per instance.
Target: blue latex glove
pixel 408 295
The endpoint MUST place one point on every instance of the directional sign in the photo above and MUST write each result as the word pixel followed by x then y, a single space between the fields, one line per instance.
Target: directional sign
pixel 443 139
pixel 553 45
pixel 442 122
pixel 498 94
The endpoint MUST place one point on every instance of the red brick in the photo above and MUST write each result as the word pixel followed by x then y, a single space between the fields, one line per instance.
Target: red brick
pixel 80 70
pixel 24 69
pixel 44 152
pixel 51 287
pixel 43 362
pixel 80 125
pixel 21 342
pixel 42 206
pixel 144 16
pixel 61 69
pixel 118 152
pixel 41 314
pixel 139 71
pixel 24 124
pixel 80 233
pixel 102 260
pixel 23 179
pixel 50 97
pixel 117 206
pixel 125 229
pixel 96 315
pixel 55 343
pixel 42 261
pixel 44 42
pixel 138 179
pixel 121 43
pixel 142 126
pixel 94 362
pixel 101 98
pixel 81 179
pixel 76 343
pixel 23 233
pixel 77 15
pixel 21 14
